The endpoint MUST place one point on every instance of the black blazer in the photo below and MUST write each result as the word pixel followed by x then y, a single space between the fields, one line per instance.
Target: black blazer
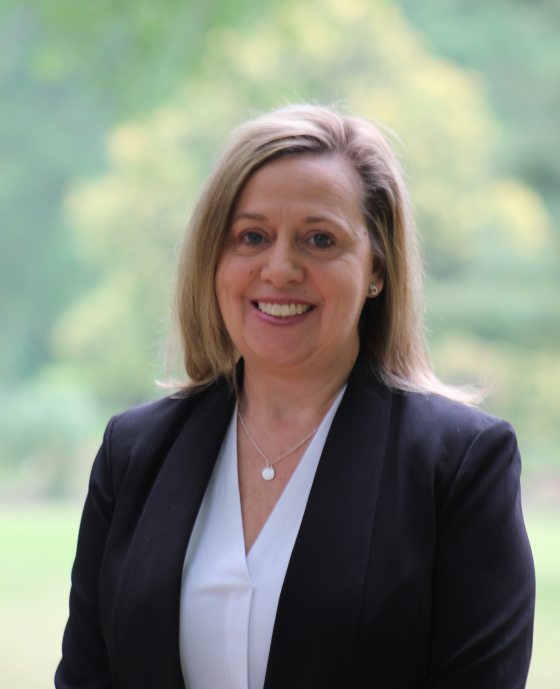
pixel 411 568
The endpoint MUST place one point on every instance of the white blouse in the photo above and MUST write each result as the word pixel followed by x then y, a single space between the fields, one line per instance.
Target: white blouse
pixel 228 599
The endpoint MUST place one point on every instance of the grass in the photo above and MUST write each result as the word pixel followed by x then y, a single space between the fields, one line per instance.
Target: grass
pixel 37 544
pixel 544 533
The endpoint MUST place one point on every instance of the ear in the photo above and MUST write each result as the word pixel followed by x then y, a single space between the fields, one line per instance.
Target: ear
pixel 376 278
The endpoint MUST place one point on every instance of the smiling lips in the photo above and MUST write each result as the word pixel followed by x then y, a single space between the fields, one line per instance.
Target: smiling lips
pixel 283 310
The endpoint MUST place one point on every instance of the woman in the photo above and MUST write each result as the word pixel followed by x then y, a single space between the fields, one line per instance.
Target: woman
pixel 314 509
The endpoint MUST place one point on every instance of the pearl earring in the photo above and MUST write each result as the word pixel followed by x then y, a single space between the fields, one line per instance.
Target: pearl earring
pixel 372 289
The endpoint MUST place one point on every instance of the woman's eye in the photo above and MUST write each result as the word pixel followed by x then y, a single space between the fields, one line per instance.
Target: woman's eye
pixel 252 238
pixel 322 240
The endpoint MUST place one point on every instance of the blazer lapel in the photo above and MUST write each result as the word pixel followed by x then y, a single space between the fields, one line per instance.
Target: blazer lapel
pixel 318 612
pixel 146 628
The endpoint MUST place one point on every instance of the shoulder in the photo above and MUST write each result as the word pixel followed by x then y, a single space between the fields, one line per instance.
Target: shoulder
pixel 141 437
pixel 457 446
pixel 427 428
pixel 444 420
pixel 425 420
pixel 140 425
pixel 159 416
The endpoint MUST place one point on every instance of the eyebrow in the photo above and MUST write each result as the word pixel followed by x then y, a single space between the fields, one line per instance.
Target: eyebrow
pixel 263 218
pixel 248 216
pixel 319 218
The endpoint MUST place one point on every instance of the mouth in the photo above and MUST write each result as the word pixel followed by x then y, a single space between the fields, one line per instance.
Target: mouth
pixel 282 310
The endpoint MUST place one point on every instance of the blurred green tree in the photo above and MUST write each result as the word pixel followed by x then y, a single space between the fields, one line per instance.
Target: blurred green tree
pixel 514 44
pixel 46 130
pixel 74 70
pixel 70 71
pixel 128 221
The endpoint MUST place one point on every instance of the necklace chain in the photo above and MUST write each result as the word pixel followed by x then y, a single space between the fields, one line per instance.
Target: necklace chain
pixel 268 473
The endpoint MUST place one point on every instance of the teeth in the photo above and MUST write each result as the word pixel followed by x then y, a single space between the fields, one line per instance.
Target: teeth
pixel 283 310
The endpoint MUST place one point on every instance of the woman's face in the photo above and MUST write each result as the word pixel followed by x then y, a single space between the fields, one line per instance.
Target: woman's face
pixel 296 266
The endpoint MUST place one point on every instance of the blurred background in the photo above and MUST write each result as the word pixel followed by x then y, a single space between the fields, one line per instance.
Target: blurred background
pixel 112 114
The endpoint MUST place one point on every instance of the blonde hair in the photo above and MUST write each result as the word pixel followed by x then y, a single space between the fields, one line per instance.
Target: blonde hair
pixel 391 326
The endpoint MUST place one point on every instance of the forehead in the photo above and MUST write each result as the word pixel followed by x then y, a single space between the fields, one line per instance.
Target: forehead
pixel 328 179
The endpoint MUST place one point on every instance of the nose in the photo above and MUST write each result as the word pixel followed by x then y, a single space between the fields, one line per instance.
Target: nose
pixel 282 264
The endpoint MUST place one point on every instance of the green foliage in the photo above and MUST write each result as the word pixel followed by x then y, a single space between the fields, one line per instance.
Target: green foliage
pixel 72 70
pixel 128 53
pixel 127 220
pixel 43 128
pixel 514 44
pixel 68 71
pixel 50 429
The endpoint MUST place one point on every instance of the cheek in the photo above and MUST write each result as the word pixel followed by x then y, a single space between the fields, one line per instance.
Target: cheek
pixel 232 284
pixel 234 274
pixel 224 276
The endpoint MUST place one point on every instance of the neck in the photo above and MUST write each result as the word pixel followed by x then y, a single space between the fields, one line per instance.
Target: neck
pixel 275 398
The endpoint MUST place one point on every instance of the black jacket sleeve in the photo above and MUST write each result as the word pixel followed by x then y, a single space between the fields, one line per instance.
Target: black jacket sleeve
pixel 85 663
pixel 484 585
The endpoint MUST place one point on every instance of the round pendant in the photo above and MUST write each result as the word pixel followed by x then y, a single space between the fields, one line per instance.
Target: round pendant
pixel 268 473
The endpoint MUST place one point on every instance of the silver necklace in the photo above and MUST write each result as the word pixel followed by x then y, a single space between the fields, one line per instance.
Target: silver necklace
pixel 268 473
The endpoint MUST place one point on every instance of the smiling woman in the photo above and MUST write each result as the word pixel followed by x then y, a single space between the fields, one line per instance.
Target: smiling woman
pixel 361 525
pixel 354 186
pixel 297 256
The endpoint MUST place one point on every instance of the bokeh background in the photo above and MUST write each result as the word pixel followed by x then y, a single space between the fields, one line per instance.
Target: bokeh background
pixel 111 114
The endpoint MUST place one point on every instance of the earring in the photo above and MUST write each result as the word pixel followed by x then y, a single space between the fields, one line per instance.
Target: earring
pixel 372 289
